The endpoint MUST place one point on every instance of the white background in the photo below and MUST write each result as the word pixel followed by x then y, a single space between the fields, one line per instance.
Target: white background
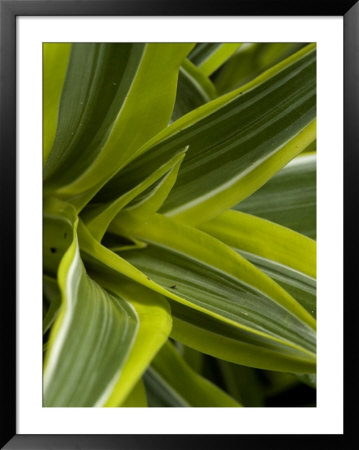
pixel 327 416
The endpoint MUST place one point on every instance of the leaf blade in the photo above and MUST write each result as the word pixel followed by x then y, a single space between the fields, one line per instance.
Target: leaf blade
pixel 185 240
pixel 250 60
pixel 223 342
pixel 286 256
pixel 230 346
pixel 193 90
pixel 98 216
pixel 289 198
pixel 264 238
pixel 193 388
pixel 155 326
pixel 209 57
pixel 55 61
pixel 131 118
pixel 223 156
pixel 90 339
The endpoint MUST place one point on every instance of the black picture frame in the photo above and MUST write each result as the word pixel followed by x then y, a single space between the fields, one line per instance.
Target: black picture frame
pixel 9 10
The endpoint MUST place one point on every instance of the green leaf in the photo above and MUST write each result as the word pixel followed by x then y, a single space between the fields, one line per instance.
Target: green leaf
pixel 98 216
pixel 52 293
pixel 103 110
pixel 301 286
pixel 221 340
pixel 160 393
pixel 98 79
pixel 155 325
pixel 249 61
pixel 209 57
pixel 279 382
pixel 93 333
pixel 204 82
pixel 149 202
pixel 120 243
pixel 236 142
pixel 142 159
pixel 310 379
pixel 224 340
pixel 55 61
pixel 289 198
pixel 173 375
pixel 242 383
pixel 206 275
pixel 168 239
pixel 267 239
pixel 152 311
pixel 193 358
pixel 193 90
pixel 137 398
pixel 286 256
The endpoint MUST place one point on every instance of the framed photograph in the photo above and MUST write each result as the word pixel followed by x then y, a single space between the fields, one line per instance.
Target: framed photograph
pixel 173 223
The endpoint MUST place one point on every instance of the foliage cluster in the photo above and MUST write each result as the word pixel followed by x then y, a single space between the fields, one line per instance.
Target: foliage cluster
pixel 179 224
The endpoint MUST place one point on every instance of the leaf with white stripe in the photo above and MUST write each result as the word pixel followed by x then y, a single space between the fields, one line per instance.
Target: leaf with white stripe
pixel 104 115
pixel 204 274
pixel 152 311
pixel 199 323
pixel 141 201
pixel 193 90
pixel 170 374
pixel 250 60
pixel 210 56
pixel 221 340
pixel 300 285
pixel 92 335
pixel 155 324
pixel 236 142
pixel 164 235
pixel 160 393
pixel 286 256
pixel 149 202
pixel 289 198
